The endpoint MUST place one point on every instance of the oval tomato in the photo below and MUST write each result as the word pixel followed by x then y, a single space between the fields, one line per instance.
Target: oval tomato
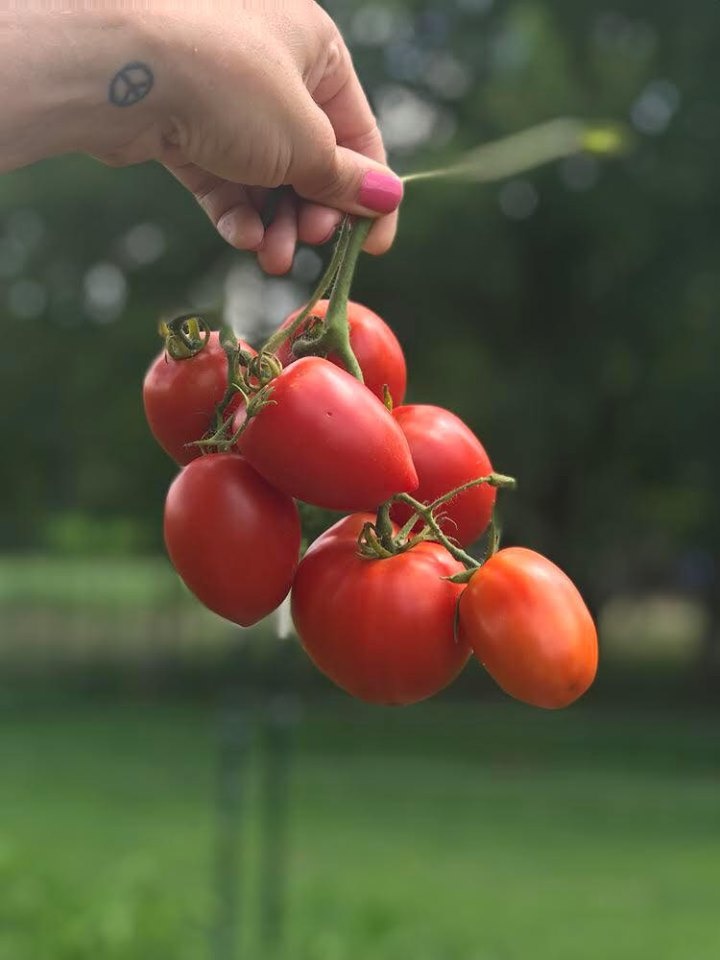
pixel 325 439
pixel 376 347
pixel 383 630
pixel 180 397
pixel 530 628
pixel 233 539
pixel 446 454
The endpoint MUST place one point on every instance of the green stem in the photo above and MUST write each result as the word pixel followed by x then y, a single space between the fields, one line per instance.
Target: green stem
pixel 492 479
pixel 336 336
pixel 494 534
pixel 371 544
pixel 427 515
pixel 383 525
pixel 404 540
pixel 323 284
pixel 529 149
pixel 235 380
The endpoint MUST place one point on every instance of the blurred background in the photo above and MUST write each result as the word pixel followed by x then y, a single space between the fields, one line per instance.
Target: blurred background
pixel 174 787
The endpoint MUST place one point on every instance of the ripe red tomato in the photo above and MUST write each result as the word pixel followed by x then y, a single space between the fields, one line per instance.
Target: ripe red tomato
pixel 374 344
pixel 233 539
pixel 446 454
pixel 383 630
pixel 180 397
pixel 327 440
pixel 529 626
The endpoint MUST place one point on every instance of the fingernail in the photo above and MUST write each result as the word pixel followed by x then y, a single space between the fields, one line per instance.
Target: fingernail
pixel 331 234
pixel 238 233
pixel 226 227
pixel 381 192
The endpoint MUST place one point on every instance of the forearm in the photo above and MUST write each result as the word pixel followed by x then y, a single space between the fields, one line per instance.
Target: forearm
pixel 56 74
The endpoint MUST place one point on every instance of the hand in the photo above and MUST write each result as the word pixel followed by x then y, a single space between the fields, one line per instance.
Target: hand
pixel 236 97
pixel 260 95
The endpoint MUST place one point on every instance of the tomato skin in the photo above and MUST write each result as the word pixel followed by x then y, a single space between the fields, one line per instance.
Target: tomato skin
pixel 180 397
pixel 446 454
pixel 382 630
pixel 327 440
pixel 234 540
pixel 530 628
pixel 376 347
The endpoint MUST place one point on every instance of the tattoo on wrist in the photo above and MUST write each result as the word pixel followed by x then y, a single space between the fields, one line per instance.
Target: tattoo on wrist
pixel 131 83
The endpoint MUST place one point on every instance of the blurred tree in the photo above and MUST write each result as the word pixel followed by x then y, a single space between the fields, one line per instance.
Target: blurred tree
pixel 569 315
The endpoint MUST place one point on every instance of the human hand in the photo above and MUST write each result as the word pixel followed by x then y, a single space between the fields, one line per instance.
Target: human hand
pixel 263 95
pixel 239 99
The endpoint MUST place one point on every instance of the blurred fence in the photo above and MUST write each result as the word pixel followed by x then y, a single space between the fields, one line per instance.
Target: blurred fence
pixel 127 618
pixel 129 623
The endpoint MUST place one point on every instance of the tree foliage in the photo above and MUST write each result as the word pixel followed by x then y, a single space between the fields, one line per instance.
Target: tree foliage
pixel 569 315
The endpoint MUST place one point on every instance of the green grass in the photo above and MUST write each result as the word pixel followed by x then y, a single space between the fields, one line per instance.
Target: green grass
pixel 443 832
pixel 106 582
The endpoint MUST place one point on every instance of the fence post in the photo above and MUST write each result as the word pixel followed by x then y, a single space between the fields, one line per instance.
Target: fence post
pixel 235 731
pixel 279 717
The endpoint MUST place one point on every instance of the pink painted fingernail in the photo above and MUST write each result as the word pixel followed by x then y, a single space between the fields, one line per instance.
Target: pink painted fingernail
pixel 381 192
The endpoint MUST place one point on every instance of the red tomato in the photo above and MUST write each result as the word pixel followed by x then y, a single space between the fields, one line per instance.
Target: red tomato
pixel 446 454
pixel 180 397
pixel 383 630
pixel 529 626
pixel 327 440
pixel 233 539
pixel 374 344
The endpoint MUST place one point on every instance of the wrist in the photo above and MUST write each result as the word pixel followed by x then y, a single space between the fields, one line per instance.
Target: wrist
pixel 80 81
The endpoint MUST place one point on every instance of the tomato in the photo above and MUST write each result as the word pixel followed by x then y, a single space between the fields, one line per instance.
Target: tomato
pixel 374 344
pixel 529 626
pixel 382 630
pixel 180 397
pixel 447 454
pixel 233 539
pixel 325 439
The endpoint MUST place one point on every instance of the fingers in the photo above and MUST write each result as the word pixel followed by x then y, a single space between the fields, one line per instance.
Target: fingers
pixel 276 254
pixel 341 97
pixel 317 224
pixel 347 181
pixel 229 205
pixel 382 235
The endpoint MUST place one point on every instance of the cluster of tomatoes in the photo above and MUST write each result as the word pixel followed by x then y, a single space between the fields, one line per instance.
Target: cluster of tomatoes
pixel 386 602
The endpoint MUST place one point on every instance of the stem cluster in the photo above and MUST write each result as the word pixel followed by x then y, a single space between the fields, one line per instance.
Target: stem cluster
pixel 378 540
pixel 251 375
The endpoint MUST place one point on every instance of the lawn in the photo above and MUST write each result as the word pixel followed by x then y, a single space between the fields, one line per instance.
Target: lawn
pixel 443 832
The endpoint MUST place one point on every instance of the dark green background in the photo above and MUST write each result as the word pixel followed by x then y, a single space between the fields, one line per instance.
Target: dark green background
pixel 572 316
pixel 579 340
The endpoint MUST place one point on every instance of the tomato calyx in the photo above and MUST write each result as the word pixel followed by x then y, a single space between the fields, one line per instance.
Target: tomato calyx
pixel 249 375
pixel 185 336
pixel 381 539
pixel 330 335
pixel 224 437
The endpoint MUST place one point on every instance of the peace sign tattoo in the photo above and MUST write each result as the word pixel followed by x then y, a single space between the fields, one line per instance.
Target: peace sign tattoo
pixel 130 84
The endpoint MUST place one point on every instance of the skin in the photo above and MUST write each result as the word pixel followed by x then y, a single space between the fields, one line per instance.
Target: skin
pixel 239 100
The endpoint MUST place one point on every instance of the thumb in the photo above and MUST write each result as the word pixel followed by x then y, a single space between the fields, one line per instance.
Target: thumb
pixel 341 178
